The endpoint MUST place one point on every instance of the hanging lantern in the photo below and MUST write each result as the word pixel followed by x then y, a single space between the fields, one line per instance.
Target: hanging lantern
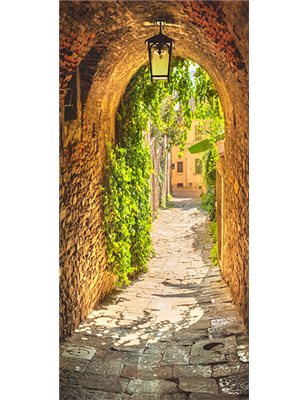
pixel 160 50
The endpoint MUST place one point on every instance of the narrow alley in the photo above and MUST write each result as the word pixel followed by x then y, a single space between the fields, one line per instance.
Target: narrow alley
pixel 173 334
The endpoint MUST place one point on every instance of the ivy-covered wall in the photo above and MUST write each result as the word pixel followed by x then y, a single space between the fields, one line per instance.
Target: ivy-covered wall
pixel 83 276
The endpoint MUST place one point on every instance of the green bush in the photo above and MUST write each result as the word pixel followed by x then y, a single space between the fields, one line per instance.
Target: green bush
pixel 126 212
pixel 208 202
pixel 213 227
pixel 214 251
pixel 214 254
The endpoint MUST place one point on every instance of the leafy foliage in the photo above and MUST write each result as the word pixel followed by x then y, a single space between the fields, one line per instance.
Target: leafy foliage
pixel 214 254
pixel 213 228
pixel 118 218
pixel 166 109
pixel 214 251
pixel 200 147
pixel 208 107
pixel 127 211
pixel 126 191
pixel 208 203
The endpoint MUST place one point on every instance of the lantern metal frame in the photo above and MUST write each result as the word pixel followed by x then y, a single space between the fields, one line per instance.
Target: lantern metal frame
pixel 160 41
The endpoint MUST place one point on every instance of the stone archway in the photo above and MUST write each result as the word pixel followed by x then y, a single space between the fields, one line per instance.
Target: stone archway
pixel 101 48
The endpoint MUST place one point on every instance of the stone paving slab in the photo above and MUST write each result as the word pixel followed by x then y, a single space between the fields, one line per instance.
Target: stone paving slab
pixel 68 393
pixel 98 368
pixel 243 352
pixel 203 396
pixel 195 384
pixel 145 396
pixel 173 334
pixel 146 373
pixel 173 396
pixel 73 365
pixel 229 369
pixel 236 384
pixel 192 371
pixel 111 383
pixel 176 396
pixel 175 355
pixel 158 386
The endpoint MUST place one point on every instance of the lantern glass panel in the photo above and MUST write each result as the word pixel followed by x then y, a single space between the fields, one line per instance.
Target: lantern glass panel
pixel 160 62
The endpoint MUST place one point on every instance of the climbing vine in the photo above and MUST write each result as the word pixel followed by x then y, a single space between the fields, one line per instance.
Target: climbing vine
pixel 208 109
pixel 214 250
pixel 163 109
pixel 118 210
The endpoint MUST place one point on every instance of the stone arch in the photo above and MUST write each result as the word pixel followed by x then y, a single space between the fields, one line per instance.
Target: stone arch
pixel 103 44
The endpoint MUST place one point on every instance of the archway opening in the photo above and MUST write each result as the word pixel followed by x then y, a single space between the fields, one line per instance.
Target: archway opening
pixel 154 121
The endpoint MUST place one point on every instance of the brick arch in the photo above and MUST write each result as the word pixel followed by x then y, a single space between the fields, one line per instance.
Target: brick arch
pixel 102 47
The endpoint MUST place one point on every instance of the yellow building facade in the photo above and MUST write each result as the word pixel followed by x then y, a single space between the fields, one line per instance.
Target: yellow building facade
pixel 186 171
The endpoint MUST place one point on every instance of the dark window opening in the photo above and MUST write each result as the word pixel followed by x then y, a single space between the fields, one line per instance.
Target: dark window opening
pixel 180 166
pixel 179 185
pixel 70 101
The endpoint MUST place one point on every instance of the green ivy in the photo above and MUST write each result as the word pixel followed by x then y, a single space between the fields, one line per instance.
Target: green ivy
pixel 208 108
pixel 208 202
pixel 214 254
pixel 126 208
pixel 214 250
pixel 165 109
pixel 118 210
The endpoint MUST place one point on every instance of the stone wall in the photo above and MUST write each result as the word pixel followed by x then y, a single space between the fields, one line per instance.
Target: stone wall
pixel 235 258
pixel 83 279
pixel 219 208
pixel 105 40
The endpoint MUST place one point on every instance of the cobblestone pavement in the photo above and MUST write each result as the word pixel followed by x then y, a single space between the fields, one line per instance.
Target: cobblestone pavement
pixel 173 334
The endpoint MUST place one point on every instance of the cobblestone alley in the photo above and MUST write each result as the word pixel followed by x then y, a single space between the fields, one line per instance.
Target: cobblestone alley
pixel 173 334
